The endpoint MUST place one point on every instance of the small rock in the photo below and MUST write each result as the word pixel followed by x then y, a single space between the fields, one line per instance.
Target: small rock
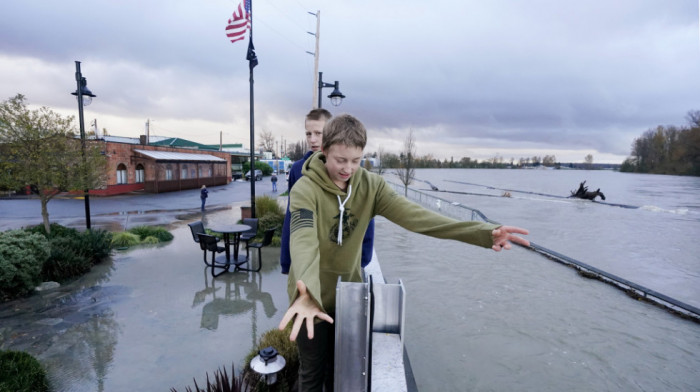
pixel 48 286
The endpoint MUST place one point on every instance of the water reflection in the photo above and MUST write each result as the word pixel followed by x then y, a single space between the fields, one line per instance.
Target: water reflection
pixel 232 294
pixel 72 330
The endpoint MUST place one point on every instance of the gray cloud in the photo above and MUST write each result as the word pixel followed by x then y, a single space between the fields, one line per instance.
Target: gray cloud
pixel 541 74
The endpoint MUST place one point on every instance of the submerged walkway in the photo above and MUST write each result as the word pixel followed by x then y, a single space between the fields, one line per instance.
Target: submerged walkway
pixel 149 319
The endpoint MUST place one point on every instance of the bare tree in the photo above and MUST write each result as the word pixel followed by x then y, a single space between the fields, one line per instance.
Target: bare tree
pixel 296 151
pixel 589 161
pixel 266 141
pixel 407 171
pixel 379 167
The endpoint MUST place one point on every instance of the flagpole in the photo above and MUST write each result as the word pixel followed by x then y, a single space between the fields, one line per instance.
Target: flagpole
pixel 252 119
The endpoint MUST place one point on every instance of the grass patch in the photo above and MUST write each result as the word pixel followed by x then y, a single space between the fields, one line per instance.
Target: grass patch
pixel 141 235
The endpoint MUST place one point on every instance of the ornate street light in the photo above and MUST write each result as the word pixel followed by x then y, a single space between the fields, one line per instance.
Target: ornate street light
pixel 84 96
pixel 336 96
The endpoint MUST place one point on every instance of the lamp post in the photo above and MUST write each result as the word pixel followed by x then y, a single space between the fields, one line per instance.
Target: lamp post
pixel 84 96
pixel 336 96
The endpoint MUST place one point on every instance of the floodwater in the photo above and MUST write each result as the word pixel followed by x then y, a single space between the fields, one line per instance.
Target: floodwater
pixel 149 319
pixel 479 320
pixel 152 318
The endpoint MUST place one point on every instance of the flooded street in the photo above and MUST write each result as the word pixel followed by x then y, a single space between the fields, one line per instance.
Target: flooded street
pixel 150 319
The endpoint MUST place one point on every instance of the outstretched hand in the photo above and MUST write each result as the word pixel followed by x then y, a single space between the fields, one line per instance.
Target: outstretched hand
pixel 503 236
pixel 303 308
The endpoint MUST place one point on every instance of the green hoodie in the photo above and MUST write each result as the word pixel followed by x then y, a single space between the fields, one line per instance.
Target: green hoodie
pixel 321 253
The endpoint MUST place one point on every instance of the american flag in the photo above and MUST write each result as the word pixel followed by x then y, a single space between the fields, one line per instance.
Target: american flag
pixel 239 22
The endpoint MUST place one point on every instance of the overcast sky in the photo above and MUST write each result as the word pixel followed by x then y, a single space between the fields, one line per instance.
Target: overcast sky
pixel 471 78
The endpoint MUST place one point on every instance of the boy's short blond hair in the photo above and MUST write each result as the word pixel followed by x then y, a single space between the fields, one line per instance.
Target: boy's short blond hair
pixel 346 130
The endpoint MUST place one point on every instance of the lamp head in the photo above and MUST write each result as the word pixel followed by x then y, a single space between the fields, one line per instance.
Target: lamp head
pixel 336 96
pixel 87 94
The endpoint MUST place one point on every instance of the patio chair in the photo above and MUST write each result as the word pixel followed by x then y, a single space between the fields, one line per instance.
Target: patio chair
pixel 196 228
pixel 248 235
pixel 267 240
pixel 210 243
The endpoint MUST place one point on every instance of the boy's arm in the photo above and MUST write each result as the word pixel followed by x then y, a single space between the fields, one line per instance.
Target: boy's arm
pixel 304 287
pixel 418 219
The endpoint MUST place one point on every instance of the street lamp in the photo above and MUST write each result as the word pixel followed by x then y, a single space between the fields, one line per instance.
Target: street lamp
pixel 84 96
pixel 336 96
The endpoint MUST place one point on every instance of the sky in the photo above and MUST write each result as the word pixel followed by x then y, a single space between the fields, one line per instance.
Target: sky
pixel 478 79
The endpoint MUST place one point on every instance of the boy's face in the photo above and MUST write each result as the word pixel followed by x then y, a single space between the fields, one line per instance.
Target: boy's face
pixel 342 162
pixel 314 133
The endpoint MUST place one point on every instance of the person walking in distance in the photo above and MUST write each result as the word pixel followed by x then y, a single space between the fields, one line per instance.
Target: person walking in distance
pixel 203 194
pixel 274 182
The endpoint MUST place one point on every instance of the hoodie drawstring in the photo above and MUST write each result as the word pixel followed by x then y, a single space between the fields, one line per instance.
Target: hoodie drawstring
pixel 341 207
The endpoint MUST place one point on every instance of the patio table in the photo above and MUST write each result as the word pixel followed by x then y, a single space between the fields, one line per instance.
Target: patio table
pixel 232 235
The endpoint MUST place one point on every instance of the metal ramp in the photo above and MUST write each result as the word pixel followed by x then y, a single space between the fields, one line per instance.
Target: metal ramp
pixel 369 331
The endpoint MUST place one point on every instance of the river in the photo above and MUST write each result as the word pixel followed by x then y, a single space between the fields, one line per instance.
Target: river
pixel 519 321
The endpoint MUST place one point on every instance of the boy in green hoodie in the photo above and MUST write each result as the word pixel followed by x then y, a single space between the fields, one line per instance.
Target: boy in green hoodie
pixel 331 206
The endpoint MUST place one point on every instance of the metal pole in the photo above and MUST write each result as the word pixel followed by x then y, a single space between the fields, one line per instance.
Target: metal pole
pixel 252 129
pixel 320 86
pixel 79 80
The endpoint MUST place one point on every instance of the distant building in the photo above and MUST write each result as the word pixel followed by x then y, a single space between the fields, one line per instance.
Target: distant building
pixel 165 165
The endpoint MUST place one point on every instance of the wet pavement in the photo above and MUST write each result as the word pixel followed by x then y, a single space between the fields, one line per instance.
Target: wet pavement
pixel 152 317
pixel 122 212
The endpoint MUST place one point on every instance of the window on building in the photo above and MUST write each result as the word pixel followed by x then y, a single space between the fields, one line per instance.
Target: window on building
pixel 210 171
pixel 200 171
pixel 168 173
pixel 139 173
pixel 183 172
pixel 121 174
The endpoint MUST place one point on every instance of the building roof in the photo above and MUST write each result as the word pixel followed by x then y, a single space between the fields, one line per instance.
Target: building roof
pixel 179 156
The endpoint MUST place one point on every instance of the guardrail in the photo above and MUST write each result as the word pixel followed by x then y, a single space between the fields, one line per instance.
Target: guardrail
pixel 461 212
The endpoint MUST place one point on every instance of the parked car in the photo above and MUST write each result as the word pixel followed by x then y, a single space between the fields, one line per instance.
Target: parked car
pixel 258 175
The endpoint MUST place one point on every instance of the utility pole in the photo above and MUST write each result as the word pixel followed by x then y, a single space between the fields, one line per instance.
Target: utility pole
pixel 316 54
pixel 148 131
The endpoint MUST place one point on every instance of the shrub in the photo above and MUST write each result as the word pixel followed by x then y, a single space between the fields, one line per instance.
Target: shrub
pixel 160 233
pixel 265 205
pixel 125 239
pixel 20 372
pixel 56 231
pixel 97 244
pixel 68 259
pixel 22 256
pixel 270 221
pixel 280 341
pixel 150 240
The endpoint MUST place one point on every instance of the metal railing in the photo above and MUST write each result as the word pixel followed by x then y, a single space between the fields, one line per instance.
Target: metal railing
pixel 461 212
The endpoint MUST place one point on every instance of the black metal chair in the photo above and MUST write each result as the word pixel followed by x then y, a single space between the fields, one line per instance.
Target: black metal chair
pixel 248 235
pixel 209 243
pixel 196 228
pixel 267 240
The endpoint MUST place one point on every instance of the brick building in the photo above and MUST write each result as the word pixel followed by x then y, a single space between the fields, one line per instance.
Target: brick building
pixel 133 165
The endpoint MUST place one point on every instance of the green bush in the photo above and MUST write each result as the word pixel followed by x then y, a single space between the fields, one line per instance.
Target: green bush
pixel 20 372
pixel 97 244
pixel 265 205
pixel 68 259
pixel 56 231
pixel 280 341
pixel 150 240
pixel 125 239
pixel 160 233
pixel 73 252
pixel 22 256
pixel 269 221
